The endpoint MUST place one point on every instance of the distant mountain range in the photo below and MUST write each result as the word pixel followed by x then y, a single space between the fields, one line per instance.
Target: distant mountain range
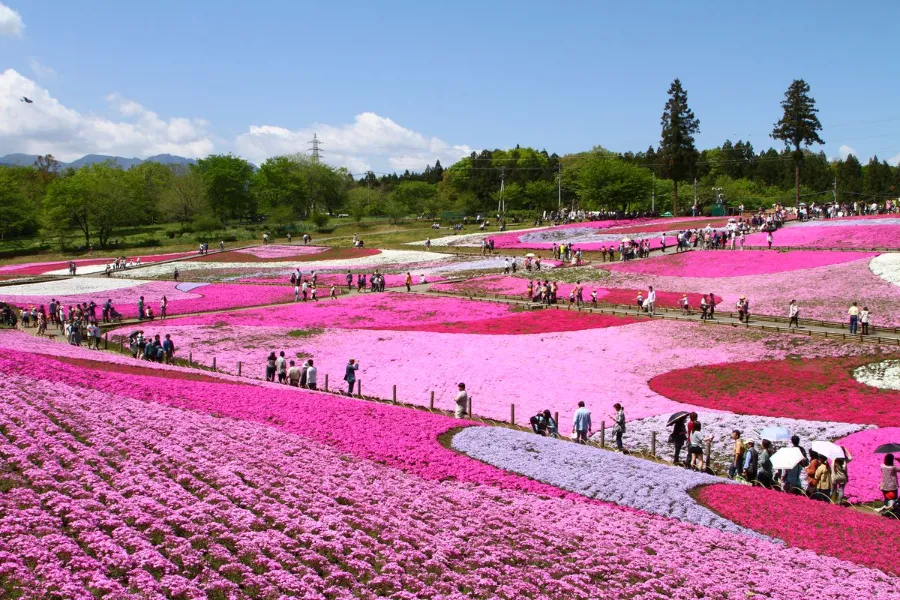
pixel 27 160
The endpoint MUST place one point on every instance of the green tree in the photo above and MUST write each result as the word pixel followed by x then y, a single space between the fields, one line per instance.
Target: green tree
pixel 185 197
pixel 358 204
pixel 540 195
pixel 227 181
pixel 17 215
pixel 677 153
pixel 799 125
pixel 414 195
pixel 849 175
pixel 605 181
pixel 147 182
pixel 281 182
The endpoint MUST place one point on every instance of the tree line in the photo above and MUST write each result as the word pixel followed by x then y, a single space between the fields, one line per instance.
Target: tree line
pixel 101 199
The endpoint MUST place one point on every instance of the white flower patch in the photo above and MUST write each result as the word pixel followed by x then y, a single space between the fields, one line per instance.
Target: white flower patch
pixel 719 425
pixel 884 375
pixel 887 266
pixel 470 240
pixel 385 257
pixel 69 287
pixel 601 474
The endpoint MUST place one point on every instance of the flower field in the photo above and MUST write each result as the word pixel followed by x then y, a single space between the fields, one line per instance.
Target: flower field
pixel 883 232
pixel 115 487
pixel 124 478
pixel 182 298
pixel 86 265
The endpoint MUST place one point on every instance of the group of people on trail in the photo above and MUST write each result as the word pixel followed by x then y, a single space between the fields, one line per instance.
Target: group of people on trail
pixel 145 311
pixel 487 245
pixel 152 349
pixel 288 373
pixel 859 317
pixel 582 426
pixel 308 289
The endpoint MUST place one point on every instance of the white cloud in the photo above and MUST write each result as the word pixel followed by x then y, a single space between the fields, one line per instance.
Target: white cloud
pixel 894 160
pixel 41 71
pixel 47 126
pixel 10 22
pixel 846 151
pixel 369 140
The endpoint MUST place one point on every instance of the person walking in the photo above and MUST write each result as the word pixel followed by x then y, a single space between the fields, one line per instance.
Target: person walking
pixel 678 437
pixel 281 367
pixel 853 312
pixel 349 281
pixel 696 445
pixel 765 474
pixel 293 375
pixel 581 423
pixel 737 455
pixel 650 302
pixel 840 476
pixel 823 481
pixel 889 482
pixel 769 239
pixel 619 425
pixel 350 375
pixel 750 467
pixel 462 401
pixel 311 375
pixel 794 314
pixel 864 320
pixel 169 349
pixel 408 282
pixel 270 367
pixel 140 306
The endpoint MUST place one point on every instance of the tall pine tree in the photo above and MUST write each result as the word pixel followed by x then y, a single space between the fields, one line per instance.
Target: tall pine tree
pixel 676 148
pixel 799 125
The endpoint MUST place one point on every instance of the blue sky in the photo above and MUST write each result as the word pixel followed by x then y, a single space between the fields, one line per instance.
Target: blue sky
pixel 395 84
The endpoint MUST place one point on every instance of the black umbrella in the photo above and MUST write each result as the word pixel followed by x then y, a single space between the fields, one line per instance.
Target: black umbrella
pixel 887 448
pixel 677 417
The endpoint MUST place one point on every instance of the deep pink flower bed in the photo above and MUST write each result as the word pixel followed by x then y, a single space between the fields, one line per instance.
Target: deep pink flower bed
pixel 340 279
pixel 821 389
pixel 281 251
pixel 875 236
pixel 865 539
pixel 515 286
pixel 364 311
pixel 865 468
pixel 208 297
pixel 525 323
pixel 733 263
pixel 39 268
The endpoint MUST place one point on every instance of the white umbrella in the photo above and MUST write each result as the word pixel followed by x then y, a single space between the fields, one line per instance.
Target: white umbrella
pixel 786 458
pixel 828 449
pixel 529 255
pixel 775 434
pixel 626 240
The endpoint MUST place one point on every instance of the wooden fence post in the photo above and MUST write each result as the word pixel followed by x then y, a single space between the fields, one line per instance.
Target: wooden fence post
pixel 106 340
pixel 240 366
pixel 214 363
pixel 708 453
pixel 469 407
pixel 326 382
pixel 394 394
pixel 603 434
pixel 431 402
pixel 512 414
pixel 556 419
pixel 359 388
pixel 653 443
pixel 190 359
pixel 121 344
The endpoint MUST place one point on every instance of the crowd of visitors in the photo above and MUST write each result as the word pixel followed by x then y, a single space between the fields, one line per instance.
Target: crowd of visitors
pixel 152 349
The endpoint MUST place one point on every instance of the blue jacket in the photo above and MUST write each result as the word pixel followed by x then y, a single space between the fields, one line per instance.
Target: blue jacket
pixel 350 374
pixel 582 419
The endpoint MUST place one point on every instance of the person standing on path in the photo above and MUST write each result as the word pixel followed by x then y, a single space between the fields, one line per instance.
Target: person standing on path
pixel 297 293
pixel 349 281
pixel 712 306
pixel 650 302
pixel 794 314
pixel 294 375
pixel 619 425
pixel 169 349
pixel 769 239
pixel 311 375
pixel 853 311
pixel 864 320
pixel 408 282
pixel 581 423
pixel 140 308
pixel 163 305
pixel 839 475
pixel 462 401
pixel 281 367
pixel 350 375
pixel 270 367
pixel 678 437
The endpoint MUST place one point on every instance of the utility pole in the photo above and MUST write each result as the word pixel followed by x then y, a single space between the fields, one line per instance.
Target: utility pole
pixel 559 186
pixel 695 192
pixel 653 194
pixel 834 190
pixel 316 152
pixel 501 208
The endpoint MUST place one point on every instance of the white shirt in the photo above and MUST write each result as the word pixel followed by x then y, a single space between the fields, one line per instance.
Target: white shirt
pixel 651 296
pixel 311 375
pixel 794 310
